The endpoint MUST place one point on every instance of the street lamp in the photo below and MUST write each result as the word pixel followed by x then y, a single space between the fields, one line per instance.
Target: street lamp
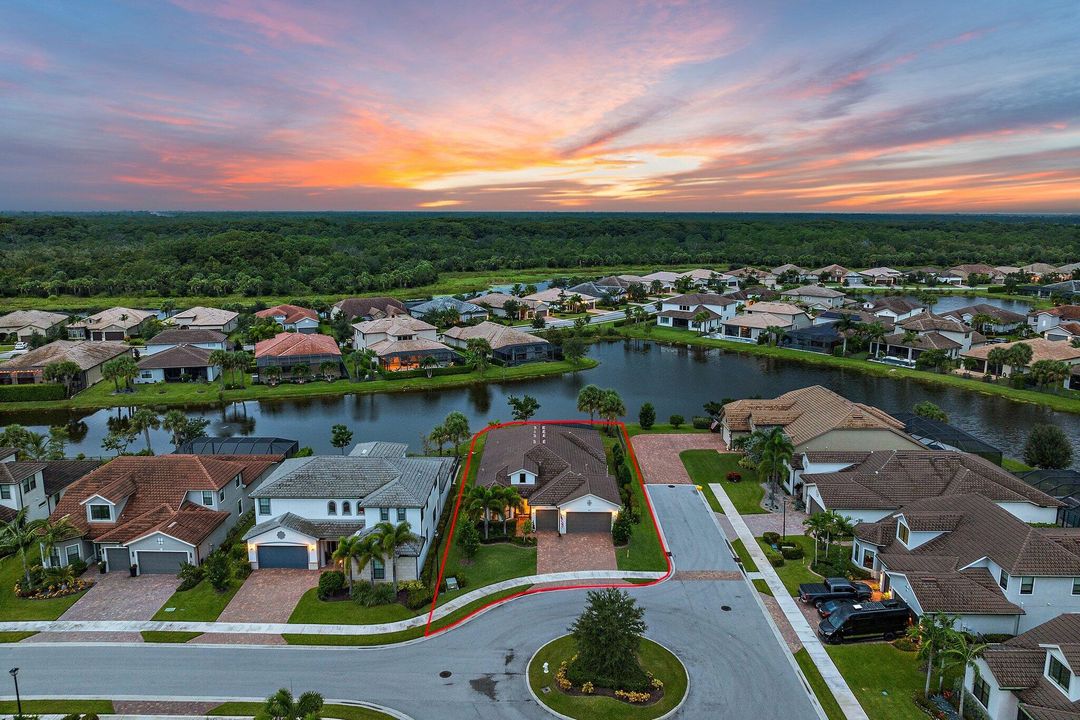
pixel 14 672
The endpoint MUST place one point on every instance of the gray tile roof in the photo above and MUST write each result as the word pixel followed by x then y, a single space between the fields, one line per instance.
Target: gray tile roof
pixel 323 529
pixel 447 303
pixel 380 448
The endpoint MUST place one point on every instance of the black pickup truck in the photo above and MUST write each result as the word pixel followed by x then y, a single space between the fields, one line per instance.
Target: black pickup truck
pixel 833 589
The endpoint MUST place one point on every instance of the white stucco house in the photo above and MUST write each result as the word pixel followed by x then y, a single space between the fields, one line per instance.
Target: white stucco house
pixel 682 311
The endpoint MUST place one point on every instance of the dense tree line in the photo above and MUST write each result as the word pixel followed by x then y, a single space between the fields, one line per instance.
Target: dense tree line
pixel 256 254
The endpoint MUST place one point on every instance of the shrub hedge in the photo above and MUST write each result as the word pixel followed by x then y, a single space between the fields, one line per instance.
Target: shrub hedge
pixel 452 370
pixel 31 393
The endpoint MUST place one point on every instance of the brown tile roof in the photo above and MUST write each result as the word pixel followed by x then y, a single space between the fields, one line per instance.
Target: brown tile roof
pixel 16 472
pixel 1017 664
pixel 973 269
pixel 58 474
pixel 176 336
pixel 84 353
pixel 700 299
pixel 498 336
pixel 1003 316
pixel 814 291
pixel 924 322
pixel 372 307
pixel 1065 312
pixel 775 308
pixel 288 344
pixel 119 316
pixel 203 316
pixel 414 345
pixel 969 592
pixel 895 303
pixel 191 524
pixel 928 341
pixel 292 313
pixel 808 413
pixel 1041 349
pixel 7 514
pixel 690 314
pixel 35 318
pixel 396 325
pixel 181 356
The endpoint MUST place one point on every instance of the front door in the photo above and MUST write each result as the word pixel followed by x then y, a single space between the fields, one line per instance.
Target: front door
pixel 329 546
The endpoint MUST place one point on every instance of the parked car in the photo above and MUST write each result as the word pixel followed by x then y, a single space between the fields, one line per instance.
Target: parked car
pixel 828 607
pixel 836 588
pixel 887 619
pixel 22 345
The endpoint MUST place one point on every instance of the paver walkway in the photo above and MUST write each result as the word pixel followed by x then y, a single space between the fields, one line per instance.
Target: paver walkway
pixel 269 596
pixel 658 455
pixel 774 521
pixel 788 606
pixel 573 552
pixel 117 596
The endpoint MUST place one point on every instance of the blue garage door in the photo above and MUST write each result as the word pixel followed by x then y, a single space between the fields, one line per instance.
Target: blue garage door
pixel 288 556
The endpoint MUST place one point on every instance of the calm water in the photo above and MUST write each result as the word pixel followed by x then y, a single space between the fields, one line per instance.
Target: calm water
pixel 675 380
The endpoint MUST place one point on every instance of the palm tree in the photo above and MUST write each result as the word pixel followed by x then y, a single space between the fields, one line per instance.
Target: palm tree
pixel 111 371
pixel 327 368
pixel 219 359
pixel 390 538
pixel 611 406
pixel 20 535
pixel 481 499
pixel 817 526
pixel 511 501
pixel 241 361
pixel 174 422
pixel 143 421
pixel 52 532
pixel 776 454
pixel 932 634
pixel 478 353
pixel 299 371
pixel 981 321
pixel 272 375
pixel 35 446
pixel 844 326
pixel 588 400
pixel 428 363
pixel 349 549
pixel 964 651
pixel 701 318
pixel 282 706
pixel 440 436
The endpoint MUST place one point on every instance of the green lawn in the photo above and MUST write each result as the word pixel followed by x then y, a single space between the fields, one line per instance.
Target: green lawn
pixel 644 552
pixel 493 563
pixel 709 466
pixel 199 604
pixel 337 712
pixel 653 657
pixel 883 678
pixel 820 688
pixel 167 636
pixel 16 608
pixel 762 587
pixel 311 609
pixel 795 572
pixel 740 549
pixel 633 429
pixel 57 707
pixel 14 637
pixel 1015 466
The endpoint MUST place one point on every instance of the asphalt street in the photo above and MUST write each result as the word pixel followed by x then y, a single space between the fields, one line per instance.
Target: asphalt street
pixel 738 669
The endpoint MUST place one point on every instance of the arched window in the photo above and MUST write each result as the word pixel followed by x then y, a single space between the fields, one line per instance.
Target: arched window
pixel 331 508
pixel 346 509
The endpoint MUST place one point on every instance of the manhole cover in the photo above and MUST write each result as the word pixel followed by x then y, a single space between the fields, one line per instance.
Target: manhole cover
pixel 725 608
pixel 445 674
pixel 671 486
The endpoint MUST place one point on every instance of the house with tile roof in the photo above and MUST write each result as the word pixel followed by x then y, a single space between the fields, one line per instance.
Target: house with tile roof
pixel 965 555
pixel 881 276
pixel 1032 676
pixel 564 300
pixel 815 296
pixel 509 346
pixel 816 418
pixel 401 342
pixel 1067 289
pixel 206 318
pixel 466 311
pixel 893 307
pixel 560 471
pixel 950 327
pixel 682 311
pixel 1068 332
pixel 496 303
pixel 831 273
pixel 287 349
pixel 22 325
pixel 308 504
pixel 977 358
pixel 760 277
pixel 368 308
pixel 174 337
pixel 114 324
pixel 157 512
pixel 703 278
pixel 89 356
pixel 292 318
pixel 1002 320
pixel 37 485
pixel 178 363
pixel 966 270
pixel 868 486
pixel 1039 321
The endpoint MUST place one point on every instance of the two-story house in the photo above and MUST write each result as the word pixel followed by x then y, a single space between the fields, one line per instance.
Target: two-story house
pixel 292 318
pixel 37 486
pixel 401 342
pixel 965 555
pixel 686 311
pixel 157 512
pixel 893 308
pixel 308 504
pixel 815 296
pixel 1039 321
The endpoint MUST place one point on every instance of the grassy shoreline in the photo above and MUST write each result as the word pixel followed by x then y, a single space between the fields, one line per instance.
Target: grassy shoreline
pixel 683 337
pixel 195 394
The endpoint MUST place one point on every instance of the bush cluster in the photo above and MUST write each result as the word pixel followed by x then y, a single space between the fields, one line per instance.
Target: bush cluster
pixel 371 594
pixel 701 422
pixel 330 583
pixel 31 393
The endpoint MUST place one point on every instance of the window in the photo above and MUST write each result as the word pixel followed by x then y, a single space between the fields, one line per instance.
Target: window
pixel 54 558
pixel 29 484
pixel 331 508
pixel 1059 673
pixel 1076 586
pixel 238 479
pixel 221 495
pixel 1003 581
pixel 868 559
pixel 72 552
pixel 1027 585
pixel 264 506
pixel 902 533
pixel 521 478
pixel 384 514
pixel 346 508
pixel 981 690
pixel 240 506
pixel 378 569
pixel 401 515
pixel 100 512
pixel 208 498
pixel 5 492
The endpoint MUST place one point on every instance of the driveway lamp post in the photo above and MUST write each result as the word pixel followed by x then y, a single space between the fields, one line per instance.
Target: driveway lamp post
pixel 14 672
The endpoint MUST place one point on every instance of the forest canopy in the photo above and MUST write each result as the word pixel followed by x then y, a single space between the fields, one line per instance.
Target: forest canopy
pixel 255 254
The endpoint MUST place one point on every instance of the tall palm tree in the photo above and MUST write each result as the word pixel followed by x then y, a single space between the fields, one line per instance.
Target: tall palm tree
pixel 35 446
pixel 390 538
pixel 241 361
pixel 776 454
pixel 354 551
pixel 282 706
pixel 588 400
pixel 510 501
pixel 817 525
pixel 440 436
pixel 175 423
pixel 480 500
pixel 219 359
pixel 844 326
pixel 143 421
pixel 611 406
pixel 428 363
pixel 964 652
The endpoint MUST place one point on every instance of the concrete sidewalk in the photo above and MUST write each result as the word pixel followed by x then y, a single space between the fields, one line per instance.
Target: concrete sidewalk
pixel 809 639
pixel 582 577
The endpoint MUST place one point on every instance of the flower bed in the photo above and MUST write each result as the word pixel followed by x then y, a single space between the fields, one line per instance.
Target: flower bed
pixel 48 592
pixel 654 694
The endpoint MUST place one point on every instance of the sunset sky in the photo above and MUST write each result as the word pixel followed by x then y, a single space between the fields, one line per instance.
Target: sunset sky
pixel 615 105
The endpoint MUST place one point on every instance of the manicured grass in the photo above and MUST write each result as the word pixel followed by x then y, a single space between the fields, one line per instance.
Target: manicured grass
pixel 14 637
pixel 644 551
pixel 1015 466
pixel 710 497
pixel 654 658
pixel 199 604
pixel 794 572
pixel 492 563
pixel 633 429
pixel 167 636
pixel 708 466
pixel 821 689
pixel 337 712
pixel 16 608
pixel 57 707
pixel 762 587
pixel 740 549
pixel 883 678
pixel 311 609
pixel 1064 403
pixel 404 635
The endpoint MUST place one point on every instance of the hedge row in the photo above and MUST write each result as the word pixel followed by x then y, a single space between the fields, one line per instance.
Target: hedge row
pixel 451 370
pixel 29 393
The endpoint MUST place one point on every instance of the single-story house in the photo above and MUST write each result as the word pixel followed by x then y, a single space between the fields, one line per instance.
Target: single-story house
pixel 89 356
pixel 881 276
pixel 560 471
pixel 793 315
pixel 831 273
pixel 666 278
pixel 308 504
pixel 526 309
pixel 206 318
pixel 564 300
pixel 794 270
pixel 681 311
pixel 894 307
pixel 750 328
pixel 989 272
pixel 157 512
pixel 704 278
pixel 368 308
pixel 287 349
pixel 1069 332
pixel 824 338
pixel 38 485
pixel 401 342
pixel 292 318
pixel 760 277
pixel 179 363
pixel 1041 349
pixel 1038 271
pixel 116 323
pixel 466 311
pixel 1002 320
pixel 910 345
pixel 591 289
pixel 1069 290
pixel 817 295
pixel 950 327
pixel 22 325
pixel 509 346
pixel 169 339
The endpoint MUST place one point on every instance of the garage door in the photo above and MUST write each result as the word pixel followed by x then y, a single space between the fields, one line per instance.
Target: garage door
pixel 160 563
pixel 588 522
pixel 117 559
pixel 283 556
pixel 547 519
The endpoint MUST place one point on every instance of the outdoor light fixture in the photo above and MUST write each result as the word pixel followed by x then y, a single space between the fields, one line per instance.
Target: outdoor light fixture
pixel 14 672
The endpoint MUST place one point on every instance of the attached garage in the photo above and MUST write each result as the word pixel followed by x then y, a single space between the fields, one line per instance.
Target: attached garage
pixel 283 556
pixel 160 563
pixel 580 522
pixel 117 559
pixel 547 520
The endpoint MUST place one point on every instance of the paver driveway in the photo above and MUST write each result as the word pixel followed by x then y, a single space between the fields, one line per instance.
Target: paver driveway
pixel 118 596
pixel 269 596
pixel 577 551
pixel 658 455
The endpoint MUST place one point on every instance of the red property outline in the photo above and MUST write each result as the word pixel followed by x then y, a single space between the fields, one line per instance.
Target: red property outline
pixel 428 632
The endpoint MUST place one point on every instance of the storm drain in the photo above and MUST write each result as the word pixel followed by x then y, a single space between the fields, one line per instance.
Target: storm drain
pixel 445 674
pixel 725 608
